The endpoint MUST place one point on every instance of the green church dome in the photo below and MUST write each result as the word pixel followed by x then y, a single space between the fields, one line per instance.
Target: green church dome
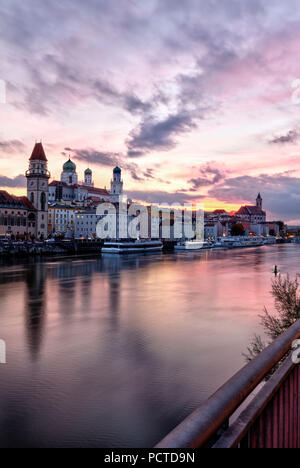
pixel 69 166
pixel 88 172
pixel 117 170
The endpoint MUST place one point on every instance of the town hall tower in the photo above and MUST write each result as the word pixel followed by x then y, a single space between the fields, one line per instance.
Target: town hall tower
pixel 37 189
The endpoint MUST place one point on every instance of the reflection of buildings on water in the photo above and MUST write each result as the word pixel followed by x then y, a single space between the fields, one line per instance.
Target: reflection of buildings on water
pixel 35 279
pixel 86 292
pixel 74 280
pixel 114 281
pixel 112 267
pixel 67 274
pixel 111 263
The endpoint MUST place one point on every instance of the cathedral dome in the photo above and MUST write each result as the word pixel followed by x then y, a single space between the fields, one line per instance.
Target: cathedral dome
pixel 117 170
pixel 69 166
pixel 88 172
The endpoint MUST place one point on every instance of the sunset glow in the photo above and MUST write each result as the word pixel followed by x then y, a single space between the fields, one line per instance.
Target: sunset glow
pixel 194 103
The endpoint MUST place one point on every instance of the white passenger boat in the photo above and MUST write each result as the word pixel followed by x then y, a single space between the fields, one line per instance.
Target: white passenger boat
pixel 192 245
pixel 240 242
pixel 269 240
pixel 129 247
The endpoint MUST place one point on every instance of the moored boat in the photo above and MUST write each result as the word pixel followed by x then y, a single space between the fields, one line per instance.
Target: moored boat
pixel 192 245
pixel 128 247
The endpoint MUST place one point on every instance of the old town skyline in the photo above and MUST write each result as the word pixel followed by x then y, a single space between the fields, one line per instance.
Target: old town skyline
pixel 216 122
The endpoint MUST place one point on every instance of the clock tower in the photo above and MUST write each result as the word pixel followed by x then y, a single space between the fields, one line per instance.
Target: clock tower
pixel 37 189
pixel 116 186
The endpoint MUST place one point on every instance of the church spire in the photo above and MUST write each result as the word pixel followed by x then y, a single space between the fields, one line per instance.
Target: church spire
pixel 259 201
pixel 38 153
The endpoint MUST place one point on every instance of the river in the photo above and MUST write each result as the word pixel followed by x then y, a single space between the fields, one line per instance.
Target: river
pixel 115 351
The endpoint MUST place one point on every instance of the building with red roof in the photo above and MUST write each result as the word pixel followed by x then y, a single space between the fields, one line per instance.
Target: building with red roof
pixel 37 189
pixel 68 190
pixel 38 153
pixel 17 216
pixel 252 214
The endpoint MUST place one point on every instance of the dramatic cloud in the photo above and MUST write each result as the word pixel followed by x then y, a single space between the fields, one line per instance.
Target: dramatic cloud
pixel 149 174
pixel 160 197
pixel 91 156
pixel 15 182
pixel 170 81
pixel 292 136
pixel 95 157
pixel 105 92
pixel 57 81
pixel 280 192
pixel 160 135
pixel 209 175
pixel 135 154
pixel 12 146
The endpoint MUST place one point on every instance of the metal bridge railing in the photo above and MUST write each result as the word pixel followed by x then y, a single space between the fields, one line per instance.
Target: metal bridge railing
pixel 271 419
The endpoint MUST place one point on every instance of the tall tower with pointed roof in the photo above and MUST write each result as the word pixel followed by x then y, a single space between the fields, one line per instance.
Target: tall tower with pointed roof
pixel 116 186
pixel 37 188
pixel 259 201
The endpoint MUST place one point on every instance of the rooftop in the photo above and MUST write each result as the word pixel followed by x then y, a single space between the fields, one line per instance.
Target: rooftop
pixel 38 153
pixel 250 210
pixel 13 201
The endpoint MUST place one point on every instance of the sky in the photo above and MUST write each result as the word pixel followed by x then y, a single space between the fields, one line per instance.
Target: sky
pixel 196 100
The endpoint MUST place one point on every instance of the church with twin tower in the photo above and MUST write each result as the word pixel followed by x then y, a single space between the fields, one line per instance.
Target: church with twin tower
pixel 68 190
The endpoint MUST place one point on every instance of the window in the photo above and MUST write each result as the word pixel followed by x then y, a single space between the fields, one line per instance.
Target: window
pixel 43 201
pixel 32 197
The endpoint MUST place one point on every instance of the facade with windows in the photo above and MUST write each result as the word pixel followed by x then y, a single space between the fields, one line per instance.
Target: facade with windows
pixel 252 214
pixel 61 219
pixel 17 216
pixel 211 233
pixel 86 224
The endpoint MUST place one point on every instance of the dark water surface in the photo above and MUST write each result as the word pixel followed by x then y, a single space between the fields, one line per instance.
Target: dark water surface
pixel 114 352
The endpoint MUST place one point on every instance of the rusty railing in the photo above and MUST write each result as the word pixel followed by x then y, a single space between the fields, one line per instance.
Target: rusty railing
pixel 270 420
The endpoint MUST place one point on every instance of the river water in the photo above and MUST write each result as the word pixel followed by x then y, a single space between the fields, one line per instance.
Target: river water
pixel 115 351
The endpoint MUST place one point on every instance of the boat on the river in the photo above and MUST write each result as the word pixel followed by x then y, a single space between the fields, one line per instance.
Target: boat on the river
pixel 192 245
pixel 132 247
pixel 271 240
pixel 240 242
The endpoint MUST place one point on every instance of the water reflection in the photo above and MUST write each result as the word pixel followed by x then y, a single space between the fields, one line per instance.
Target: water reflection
pixel 115 351
pixel 35 280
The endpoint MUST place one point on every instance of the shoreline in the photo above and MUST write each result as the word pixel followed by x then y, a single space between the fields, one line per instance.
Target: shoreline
pixel 38 252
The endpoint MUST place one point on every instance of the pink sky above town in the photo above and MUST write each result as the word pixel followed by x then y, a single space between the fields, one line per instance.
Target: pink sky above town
pixel 193 99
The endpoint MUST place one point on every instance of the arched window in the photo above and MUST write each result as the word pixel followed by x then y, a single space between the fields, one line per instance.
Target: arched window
pixel 32 198
pixel 43 201
pixel 31 220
